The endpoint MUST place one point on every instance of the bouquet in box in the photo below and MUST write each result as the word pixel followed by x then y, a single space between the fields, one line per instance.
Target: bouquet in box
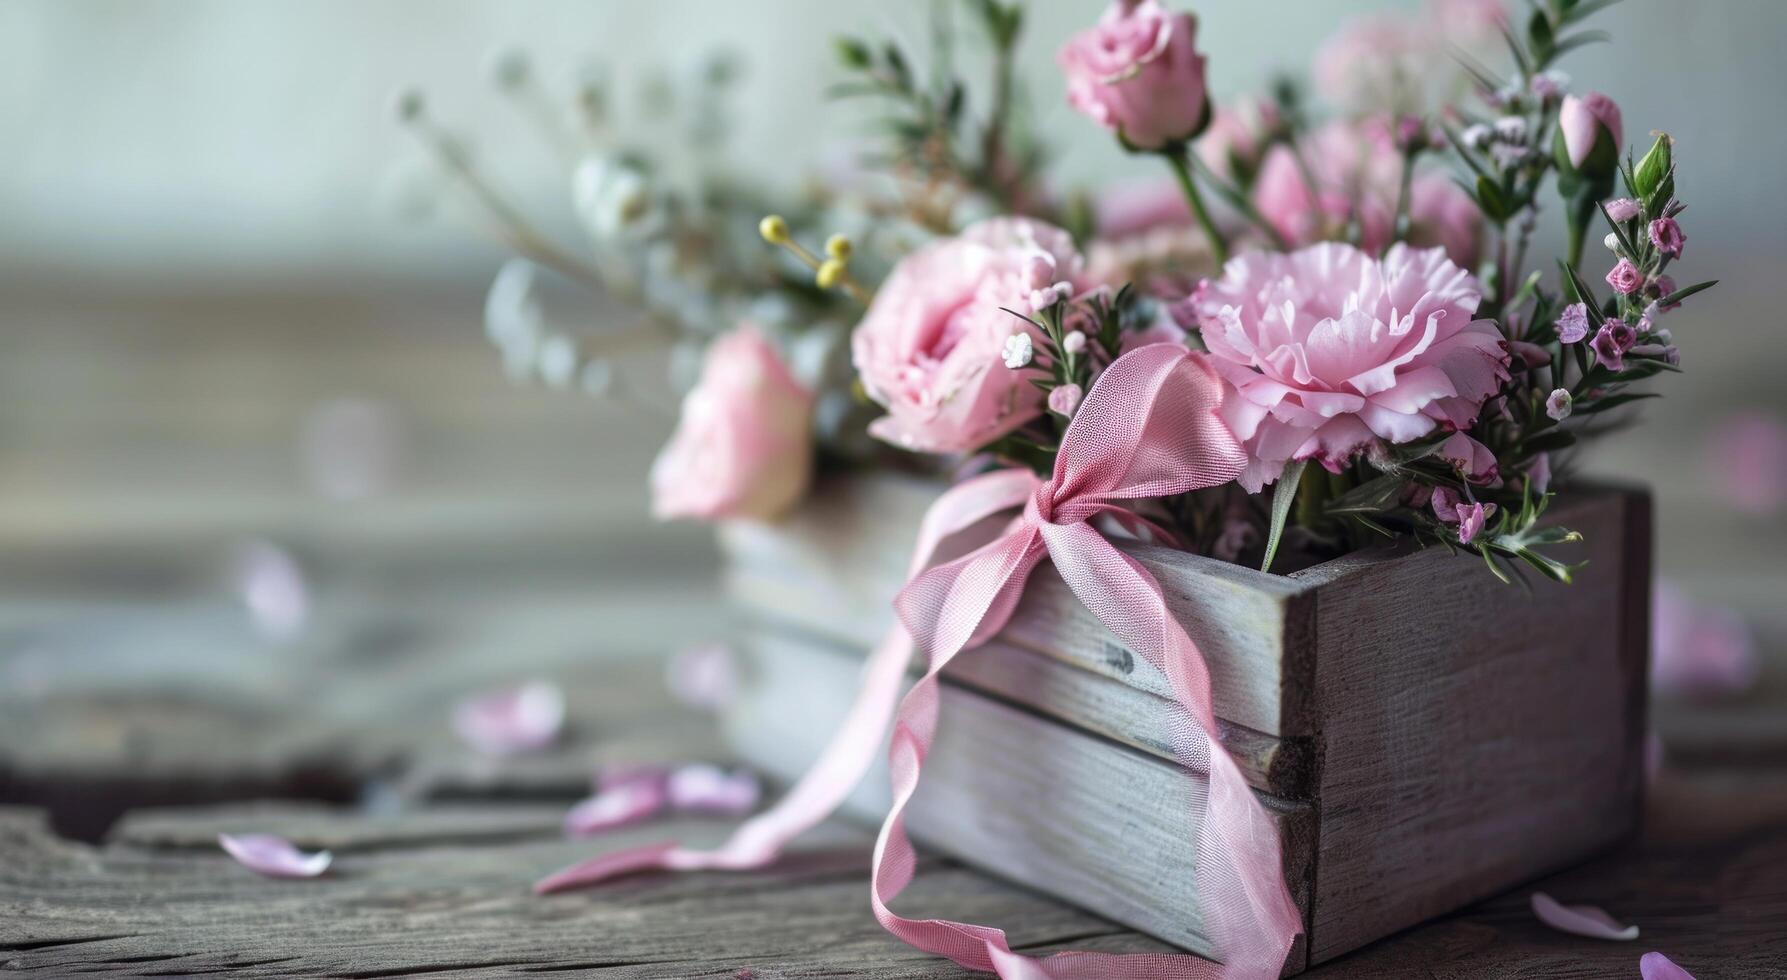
pixel 1341 274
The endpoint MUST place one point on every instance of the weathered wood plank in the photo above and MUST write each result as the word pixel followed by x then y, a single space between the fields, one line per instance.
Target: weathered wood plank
pixel 1076 816
pixel 1500 746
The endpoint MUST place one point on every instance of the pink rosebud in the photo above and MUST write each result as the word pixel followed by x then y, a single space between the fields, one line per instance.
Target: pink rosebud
pixel 1471 520
pixel 1038 269
pixel 1625 278
pixel 1138 73
pixel 1557 406
pixel 1572 324
pixel 1065 400
pixel 1667 236
pixel 1623 209
pixel 743 445
pixel 1584 119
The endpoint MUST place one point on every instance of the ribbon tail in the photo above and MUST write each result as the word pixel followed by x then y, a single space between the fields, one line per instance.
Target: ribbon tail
pixel 851 751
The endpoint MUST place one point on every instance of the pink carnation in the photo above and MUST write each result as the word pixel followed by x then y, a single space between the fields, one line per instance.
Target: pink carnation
pixel 1138 73
pixel 1357 166
pixel 743 446
pixel 929 349
pixel 1330 351
pixel 1625 278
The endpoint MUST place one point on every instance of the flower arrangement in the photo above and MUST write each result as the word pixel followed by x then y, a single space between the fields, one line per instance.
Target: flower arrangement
pixel 1360 282
pixel 1349 282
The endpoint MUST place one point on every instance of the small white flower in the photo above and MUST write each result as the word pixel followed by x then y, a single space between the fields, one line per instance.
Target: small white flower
pixel 1074 342
pixel 1511 128
pixel 1048 296
pixel 1558 405
pixel 1019 352
pixel 513 317
pixel 557 360
pixel 610 197
pixel 1476 136
pixel 1611 241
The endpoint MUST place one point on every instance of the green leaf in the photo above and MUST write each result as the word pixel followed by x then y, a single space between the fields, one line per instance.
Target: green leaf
pixel 1579 290
pixel 1619 230
pixel 1282 495
pixel 1681 294
pixel 1491 200
pixel 1374 496
pixel 1539 32
pixel 852 53
pixel 1652 169
pixel 1575 41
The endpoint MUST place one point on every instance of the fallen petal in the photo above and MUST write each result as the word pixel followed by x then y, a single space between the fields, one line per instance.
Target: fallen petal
pixel 1656 966
pixel 511 721
pixel 710 789
pixel 1581 920
pixel 704 677
pixel 273 856
pixel 623 799
pixel 602 868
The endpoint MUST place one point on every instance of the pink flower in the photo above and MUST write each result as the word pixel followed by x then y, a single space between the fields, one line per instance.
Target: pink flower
pixel 1623 209
pixel 743 446
pixel 1625 277
pixel 1572 323
pixel 1358 172
pixel 1611 343
pixel 1747 458
pixel 929 350
pixel 1330 351
pixel 1471 520
pixel 1138 73
pixel 1698 650
pixel 1583 121
pixel 1471 459
pixel 1065 399
pixel 1667 236
pixel 1662 287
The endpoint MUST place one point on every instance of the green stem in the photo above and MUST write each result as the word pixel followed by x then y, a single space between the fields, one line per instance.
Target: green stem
pixel 1179 159
pixel 1403 191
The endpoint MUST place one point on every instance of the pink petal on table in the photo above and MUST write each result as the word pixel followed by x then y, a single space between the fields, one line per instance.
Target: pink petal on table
pixel 624 798
pixel 600 868
pixel 705 676
pixel 1581 920
pixel 1698 650
pixel 1656 966
pixel 710 789
pixel 513 720
pixel 273 856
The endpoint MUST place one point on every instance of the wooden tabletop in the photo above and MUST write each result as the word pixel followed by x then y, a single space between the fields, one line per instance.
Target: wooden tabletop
pixel 141 713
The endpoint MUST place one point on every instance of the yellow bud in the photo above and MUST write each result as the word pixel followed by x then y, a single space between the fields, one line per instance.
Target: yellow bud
pixel 838 247
pixel 773 229
pixel 830 273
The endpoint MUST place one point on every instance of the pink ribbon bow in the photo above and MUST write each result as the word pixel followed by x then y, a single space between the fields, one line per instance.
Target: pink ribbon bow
pixel 1148 429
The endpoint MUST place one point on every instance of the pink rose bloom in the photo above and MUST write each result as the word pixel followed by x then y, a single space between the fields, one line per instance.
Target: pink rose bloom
pixel 1625 278
pixel 1471 459
pixel 1138 73
pixel 930 348
pixel 1582 121
pixel 1330 351
pixel 1358 165
pixel 743 446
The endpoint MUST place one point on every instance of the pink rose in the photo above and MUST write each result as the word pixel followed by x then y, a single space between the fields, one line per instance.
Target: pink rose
pixel 1358 165
pixel 1330 351
pixel 930 349
pixel 1667 236
pixel 743 446
pixel 1138 73
pixel 1471 459
pixel 1583 120
pixel 1625 278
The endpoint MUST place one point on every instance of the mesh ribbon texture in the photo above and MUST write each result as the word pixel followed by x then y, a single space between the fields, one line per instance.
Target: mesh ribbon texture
pixel 1148 429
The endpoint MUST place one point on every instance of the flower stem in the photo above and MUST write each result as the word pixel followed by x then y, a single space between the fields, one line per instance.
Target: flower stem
pixel 1179 159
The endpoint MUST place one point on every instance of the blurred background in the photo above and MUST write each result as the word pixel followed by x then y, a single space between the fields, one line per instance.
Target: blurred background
pixel 249 418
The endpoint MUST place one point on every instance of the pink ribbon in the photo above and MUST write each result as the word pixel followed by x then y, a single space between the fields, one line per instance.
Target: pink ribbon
pixel 1148 429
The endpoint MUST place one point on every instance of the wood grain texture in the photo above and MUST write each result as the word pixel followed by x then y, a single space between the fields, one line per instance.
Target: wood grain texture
pixel 1474 735
pixel 1079 817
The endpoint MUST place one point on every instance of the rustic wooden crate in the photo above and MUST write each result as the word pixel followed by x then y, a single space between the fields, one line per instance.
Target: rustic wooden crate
pixel 1426 735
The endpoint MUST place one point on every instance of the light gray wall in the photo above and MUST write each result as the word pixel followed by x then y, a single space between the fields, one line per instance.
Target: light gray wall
pixel 251 136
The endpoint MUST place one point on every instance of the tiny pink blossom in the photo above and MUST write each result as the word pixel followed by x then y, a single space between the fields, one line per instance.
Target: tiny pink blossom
pixel 1065 400
pixel 1471 520
pixel 1550 84
pixel 1625 277
pixel 1612 342
pixel 1667 236
pixel 1557 405
pixel 1572 324
pixel 1623 209
pixel 1584 119
pixel 1316 368
pixel 1661 288
pixel 1138 73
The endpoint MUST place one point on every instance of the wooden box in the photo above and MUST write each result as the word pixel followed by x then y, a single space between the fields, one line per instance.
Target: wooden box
pixel 1426 735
